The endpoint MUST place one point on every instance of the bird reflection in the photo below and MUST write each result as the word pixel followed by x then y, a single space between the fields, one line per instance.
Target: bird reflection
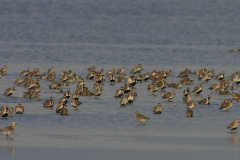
pixel 234 138
pixel 8 145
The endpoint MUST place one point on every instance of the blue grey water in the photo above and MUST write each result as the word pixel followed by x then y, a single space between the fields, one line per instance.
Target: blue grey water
pixel 159 34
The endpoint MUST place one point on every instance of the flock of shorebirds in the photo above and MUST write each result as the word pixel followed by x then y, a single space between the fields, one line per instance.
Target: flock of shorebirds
pixel 126 92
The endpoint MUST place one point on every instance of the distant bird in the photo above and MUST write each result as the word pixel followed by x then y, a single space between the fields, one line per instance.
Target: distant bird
pixel 9 91
pixel 191 104
pixel 60 106
pixel 120 71
pixel 226 104
pixel 10 112
pixel 36 97
pixel 97 92
pixel 18 81
pixel 4 111
pixel 64 111
pixel 187 98
pixel 19 109
pixel 220 76
pixel 59 90
pixel 141 118
pixel 186 92
pixel 49 103
pixel 67 93
pixel 119 93
pixel 157 109
pixel 205 101
pixel 233 125
pixel 215 87
pixel 169 95
pixel 25 72
pixel 189 113
pixel 8 130
pixel 124 101
pixel 145 77
pixel 75 103
pixel 153 89
pixel 198 89
pixel 187 81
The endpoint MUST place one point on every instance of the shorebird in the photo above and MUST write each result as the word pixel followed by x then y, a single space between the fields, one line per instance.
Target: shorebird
pixel 141 118
pixel 8 130
pixel 91 69
pixel 51 70
pixel 9 91
pixel 43 76
pixel 205 101
pixel 64 111
pixel 18 81
pixel 4 111
pixel 153 89
pixel 75 95
pixel 28 94
pixel 139 78
pixel 189 113
pixel 235 95
pixel 49 103
pixel 215 87
pixel 220 76
pixel 157 109
pixel 124 101
pixel 19 109
pixel 60 106
pixel 223 91
pixel 130 98
pixel 52 85
pixel 162 85
pixel 186 92
pixel 169 95
pixel 119 93
pixel 145 77
pixel 187 98
pixel 120 71
pixel 187 81
pixel 10 112
pixel 233 125
pixel 174 85
pixel 67 93
pixel 134 94
pixel 36 98
pixel 25 72
pixel 226 104
pixel 75 103
pixel 59 90
pixel 198 89
pixel 191 104
pixel 97 92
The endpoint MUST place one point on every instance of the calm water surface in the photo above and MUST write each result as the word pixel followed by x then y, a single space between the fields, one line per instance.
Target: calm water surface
pixel 110 34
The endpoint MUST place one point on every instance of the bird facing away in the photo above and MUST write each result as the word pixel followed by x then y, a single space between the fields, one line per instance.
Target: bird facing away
pixel 226 104
pixel 141 118
pixel 8 130
pixel 19 109
pixel 233 125
pixel 189 113
pixel 157 109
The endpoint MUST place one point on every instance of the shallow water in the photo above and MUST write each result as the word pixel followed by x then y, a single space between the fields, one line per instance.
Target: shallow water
pixel 111 34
